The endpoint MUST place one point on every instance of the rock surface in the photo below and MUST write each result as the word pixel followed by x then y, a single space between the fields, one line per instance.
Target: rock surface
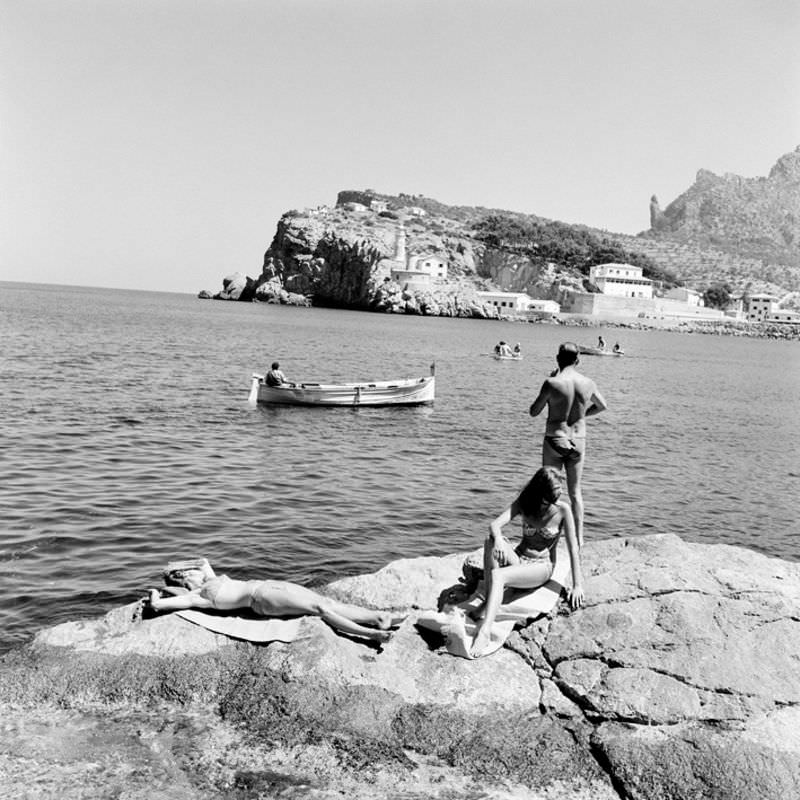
pixel 679 679
pixel 756 216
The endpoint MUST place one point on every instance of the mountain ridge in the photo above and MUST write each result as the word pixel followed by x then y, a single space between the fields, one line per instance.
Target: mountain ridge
pixel 743 233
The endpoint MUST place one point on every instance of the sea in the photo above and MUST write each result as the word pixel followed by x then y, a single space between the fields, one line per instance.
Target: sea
pixel 126 441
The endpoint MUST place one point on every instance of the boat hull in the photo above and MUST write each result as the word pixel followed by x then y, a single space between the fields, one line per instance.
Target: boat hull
pixel 507 358
pixel 406 392
pixel 596 351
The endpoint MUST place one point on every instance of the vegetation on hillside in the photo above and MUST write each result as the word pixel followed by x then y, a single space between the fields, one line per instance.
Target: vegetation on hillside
pixel 708 252
pixel 718 295
pixel 572 246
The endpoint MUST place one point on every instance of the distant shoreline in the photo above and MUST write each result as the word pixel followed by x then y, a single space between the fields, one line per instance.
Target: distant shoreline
pixel 753 330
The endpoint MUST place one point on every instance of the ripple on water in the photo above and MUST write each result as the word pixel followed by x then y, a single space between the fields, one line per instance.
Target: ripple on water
pixel 141 447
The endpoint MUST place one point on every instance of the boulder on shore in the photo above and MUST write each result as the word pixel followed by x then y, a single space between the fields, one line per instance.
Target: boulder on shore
pixel 237 287
pixel 679 679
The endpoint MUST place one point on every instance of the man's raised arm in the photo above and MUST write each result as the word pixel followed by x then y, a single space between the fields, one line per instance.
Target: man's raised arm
pixel 597 405
pixel 537 406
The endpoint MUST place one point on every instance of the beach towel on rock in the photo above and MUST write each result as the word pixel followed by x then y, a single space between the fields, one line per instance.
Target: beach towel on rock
pixel 242 625
pixel 459 630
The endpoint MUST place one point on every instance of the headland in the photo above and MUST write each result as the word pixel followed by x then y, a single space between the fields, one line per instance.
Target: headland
pixel 720 258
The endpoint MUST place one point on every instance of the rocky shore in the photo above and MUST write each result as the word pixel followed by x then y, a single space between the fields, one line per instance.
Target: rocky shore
pixel 679 679
pixel 754 330
pixel 463 303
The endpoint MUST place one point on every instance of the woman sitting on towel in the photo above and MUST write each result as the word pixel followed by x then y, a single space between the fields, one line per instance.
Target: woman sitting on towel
pixel 530 564
pixel 267 599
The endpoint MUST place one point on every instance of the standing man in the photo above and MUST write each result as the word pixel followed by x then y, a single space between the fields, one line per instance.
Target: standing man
pixel 570 398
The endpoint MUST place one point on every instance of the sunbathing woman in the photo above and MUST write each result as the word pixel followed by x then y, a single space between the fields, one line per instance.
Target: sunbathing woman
pixel 530 563
pixel 267 599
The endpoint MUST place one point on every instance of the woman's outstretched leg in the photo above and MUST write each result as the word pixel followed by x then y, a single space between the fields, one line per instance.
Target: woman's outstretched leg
pixel 364 616
pixel 277 598
pixel 519 576
pixel 329 613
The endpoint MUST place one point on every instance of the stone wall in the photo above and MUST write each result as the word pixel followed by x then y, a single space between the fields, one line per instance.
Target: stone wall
pixel 633 307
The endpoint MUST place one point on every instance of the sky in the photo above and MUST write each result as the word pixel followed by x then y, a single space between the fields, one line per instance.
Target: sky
pixel 154 144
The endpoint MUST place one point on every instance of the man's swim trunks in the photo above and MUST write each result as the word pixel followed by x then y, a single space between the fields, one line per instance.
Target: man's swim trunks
pixel 562 447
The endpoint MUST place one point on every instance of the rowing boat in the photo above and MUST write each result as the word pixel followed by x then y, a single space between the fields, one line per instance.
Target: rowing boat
pixel 498 357
pixel 402 392
pixel 586 350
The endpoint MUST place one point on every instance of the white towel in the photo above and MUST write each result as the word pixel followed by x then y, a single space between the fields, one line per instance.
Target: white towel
pixel 459 630
pixel 252 629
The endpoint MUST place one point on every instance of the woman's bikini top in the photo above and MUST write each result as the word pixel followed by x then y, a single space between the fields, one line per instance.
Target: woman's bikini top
pixel 226 593
pixel 538 539
pixel 211 589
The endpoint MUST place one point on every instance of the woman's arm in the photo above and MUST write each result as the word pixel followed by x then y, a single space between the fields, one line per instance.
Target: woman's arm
pixel 575 594
pixel 499 544
pixel 180 602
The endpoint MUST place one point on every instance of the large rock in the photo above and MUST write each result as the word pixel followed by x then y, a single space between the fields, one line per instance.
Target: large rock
pixel 678 680
pixel 237 287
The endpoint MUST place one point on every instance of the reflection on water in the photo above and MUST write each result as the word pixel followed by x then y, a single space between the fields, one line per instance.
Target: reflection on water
pixel 127 440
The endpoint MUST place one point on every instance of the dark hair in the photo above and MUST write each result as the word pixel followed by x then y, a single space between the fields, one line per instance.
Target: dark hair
pixel 567 354
pixel 544 486
pixel 177 571
pixel 275 365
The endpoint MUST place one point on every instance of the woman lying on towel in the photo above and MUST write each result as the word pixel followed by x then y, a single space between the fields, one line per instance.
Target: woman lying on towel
pixel 267 599
pixel 530 564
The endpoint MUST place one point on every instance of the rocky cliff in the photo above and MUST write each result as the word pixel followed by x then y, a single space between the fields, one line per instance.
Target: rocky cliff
pixel 756 217
pixel 677 681
pixel 741 231
pixel 344 255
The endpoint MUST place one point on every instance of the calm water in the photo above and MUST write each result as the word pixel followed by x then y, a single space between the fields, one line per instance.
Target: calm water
pixel 127 441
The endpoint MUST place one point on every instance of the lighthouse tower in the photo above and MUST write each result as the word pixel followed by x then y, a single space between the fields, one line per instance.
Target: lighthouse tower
pixel 400 245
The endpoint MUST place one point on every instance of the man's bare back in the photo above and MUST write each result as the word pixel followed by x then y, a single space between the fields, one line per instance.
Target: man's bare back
pixel 570 398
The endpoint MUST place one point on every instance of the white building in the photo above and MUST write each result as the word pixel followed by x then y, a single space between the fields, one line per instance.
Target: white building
pixel 688 296
pixel 434 265
pixel 507 302
pixel 543 309
pixel 781 315
pixel 621 280
pixel 411 279
pixel 759 306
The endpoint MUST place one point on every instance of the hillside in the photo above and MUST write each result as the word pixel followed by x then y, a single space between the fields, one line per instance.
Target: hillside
pixel 749 217
pixel 342 256
pixel 731 229
pixel 744 232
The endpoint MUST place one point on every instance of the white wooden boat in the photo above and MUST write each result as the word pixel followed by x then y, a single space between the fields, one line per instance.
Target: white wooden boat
pixel 498 357
pixel 402 392
pixel 586 350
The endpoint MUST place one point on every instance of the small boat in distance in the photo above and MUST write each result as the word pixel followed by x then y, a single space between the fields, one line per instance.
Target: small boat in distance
pixel 402 392
pixel 588 350
pixel 498 357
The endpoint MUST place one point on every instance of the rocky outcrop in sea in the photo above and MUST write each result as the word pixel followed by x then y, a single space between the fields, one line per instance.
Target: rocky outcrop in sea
pixel 678 680
pixel 344 257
